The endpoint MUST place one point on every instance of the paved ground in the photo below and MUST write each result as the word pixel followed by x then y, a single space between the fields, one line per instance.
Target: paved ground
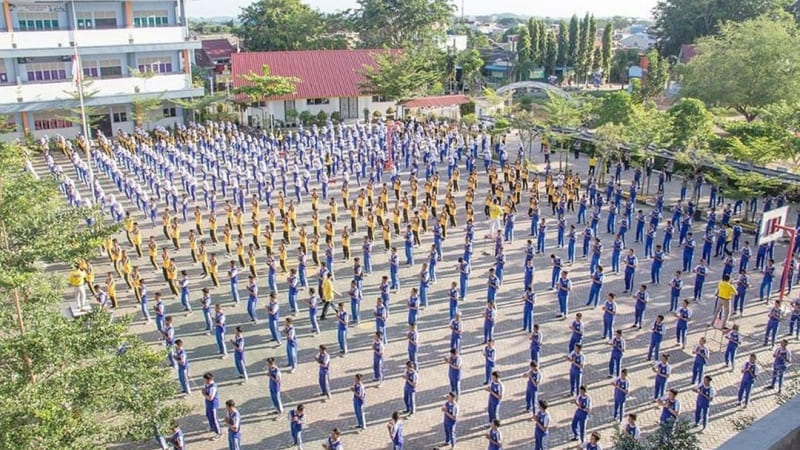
pixel 424 430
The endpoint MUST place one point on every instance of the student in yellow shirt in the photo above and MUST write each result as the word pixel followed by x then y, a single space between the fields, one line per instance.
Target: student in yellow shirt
pixel 175 233
pixel 387 235
pixel 164 262
pixel 354 218
pixel 127 267
pixel 136 282
pixel 193 246
pixel 328 293
pixel 116 255
pixel 251 260
pixel 271 218
pixel 268 242
pixel 328 231
pixel 172 274
pixel 286 229
pixel 254 206
pixel 256 234
pixel 315 249
pixel 396 220
pixel 202 255
pixel 346 243
pixel 314 222
pixel 292 214
pixel 302 238
pixel 229 213
pixel 198 221
pixel 111 289
pixel 334 208
pixel 239 216
pixel 213 266
pixel 127 225
pixel 282 257
pixel 240 251
pixel 136 235
pixel 370 225
pixel 212 226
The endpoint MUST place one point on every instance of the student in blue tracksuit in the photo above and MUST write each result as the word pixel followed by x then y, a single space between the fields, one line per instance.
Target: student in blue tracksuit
pixel 234 420
pixel 528 300
pixel 705 394
pixel 274 317
pixel 381 316
pixel 274 374
pixel 542 433
pixel 684 315
pixel 494 436
pixel 609 314
pixel 211 398
pixel 675 286
pixel 323 360
pixel 395 429
pixel 749 375
pixel 617 351
pixel 656 337
pixel 662 370
pixel 219 330
pixel 739 300
pixel 408 242
pixel 489 356
pixel 557 264
pixel 377 358
pixel 576 329
pixel 456 328
pixel 622 386
pixel 291 344
pixel 564 288
pixel 631 264
pixel 297 421
pixel 781 359
pixel 313 302
pixel 577 360
pixel 238 353
pixel 464 270
pixel 534 379
pixel 252 298
pixel 670 409
pixel 492 284
pixel 701 355
pixel 394 267
pixel 583 408
pixel 701 272
pixel 630 428
pixel 452 300
pixel 359 397
pixel 450 410
pixel 411 378
pixel 688 252
pixel 536 343
pixel 773 323
pixel 734 339
pixel 495 390
pixel 342 326
pixel 413 306
pixel 641 298
pixel 489 320
pixel 656 264
pixel 454 371
pixel 597 286
pixel 413 343
pixel 616 252
pixel 765 290
pixel 597 250
pixel 182 361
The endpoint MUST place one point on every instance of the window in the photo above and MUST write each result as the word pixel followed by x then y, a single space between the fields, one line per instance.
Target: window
pixel 288 105
pixel 37 21
pixel 318 101
pixel 46 71
pixel 379 99
pixel 157 64
pixel 3 73
pixel 96 19
pixel 170 112
pixel 150 19
pixel 49 121
pixel 119 114
pixel 110 68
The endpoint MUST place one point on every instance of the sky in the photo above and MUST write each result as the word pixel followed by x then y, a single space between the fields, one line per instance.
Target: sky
pixel 561 8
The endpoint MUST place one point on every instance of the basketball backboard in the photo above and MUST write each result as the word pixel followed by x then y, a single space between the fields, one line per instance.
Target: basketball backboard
pixel 771 223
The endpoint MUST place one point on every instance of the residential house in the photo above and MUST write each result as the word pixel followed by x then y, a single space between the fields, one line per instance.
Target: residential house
pixel 214 56
pixel 329 81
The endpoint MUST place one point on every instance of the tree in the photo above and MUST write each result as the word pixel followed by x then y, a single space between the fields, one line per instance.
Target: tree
pixel 401 24
pixel 93 114
pixel 581 60
pixel 606 53
pixel 400 76
pixel 265 85
pixel 679 437
pixel 614 107
pixel 648 130
pixel 272 25
pixel 692 123
pixel 609 138
pixel 471 64
pixel 562 112
pixel 623 59
pixel 145 109
pixel 597 60
pixel 542 30
pixel 562 43
pixel 525 122
pixel 64 379
pixel 572 50
pixel 524 53
pixel 533 34
pixel 754 64
pixel 200 105
pixel 681 22
pixel 657 75
pixel 551 53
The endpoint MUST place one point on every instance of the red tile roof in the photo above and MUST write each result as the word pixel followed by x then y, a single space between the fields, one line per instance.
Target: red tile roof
pixel 322 73
pixel 218 48
pixel 688 51
pixel 436 101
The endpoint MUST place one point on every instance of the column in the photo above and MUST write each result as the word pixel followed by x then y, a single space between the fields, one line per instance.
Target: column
pixel 128 12
pixel 7 14
pixel 187 63
pixel 24 118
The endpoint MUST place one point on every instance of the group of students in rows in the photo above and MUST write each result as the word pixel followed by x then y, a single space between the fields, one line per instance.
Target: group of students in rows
pixel 219 152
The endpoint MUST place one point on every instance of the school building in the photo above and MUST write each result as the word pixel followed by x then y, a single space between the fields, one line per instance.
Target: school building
pixel 329 81
pixel 130 50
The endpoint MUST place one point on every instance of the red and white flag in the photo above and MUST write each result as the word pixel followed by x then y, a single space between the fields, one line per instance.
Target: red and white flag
pixel 76 69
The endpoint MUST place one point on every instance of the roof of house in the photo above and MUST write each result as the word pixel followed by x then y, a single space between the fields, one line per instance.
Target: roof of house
pixel 322 73
pixel 218 48
pixel 688 51
pixel 202 59
pixel 436 101
pixel 640 41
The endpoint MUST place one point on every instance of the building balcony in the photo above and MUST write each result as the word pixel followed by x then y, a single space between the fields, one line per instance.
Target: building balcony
pixel 59 42
pixel 60 95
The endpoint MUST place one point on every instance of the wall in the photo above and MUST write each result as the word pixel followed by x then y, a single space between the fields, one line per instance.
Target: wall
pixel 153 6
pixel 779 430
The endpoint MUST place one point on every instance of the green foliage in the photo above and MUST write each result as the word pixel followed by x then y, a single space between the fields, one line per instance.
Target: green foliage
pixel 467 108
pixel 401 24
pixel 471 64
pixel 597 59
pixel 145 109
pixel 562 44
pixel 648 127
pixel 528 127
pixel 64 384
pixel 272 25
pixel 93 114
pixel 583 55
pixel 623 58
pixel 680 437
pixel 400 76
pixel 657 75
pixel 757 142
pixel 322 117
pixel 609 139
pixel 692 124
pixel 336 117
pixel 265 85
pixel 574 35
pixel 564 111
pixel 748 66
pixel 550 53
pixel 200 105
pixel 614 107
pixel 469 120
pixel 607 49
pixel 742 422
pixel 306 117
pixel 681 22
pixel 536 48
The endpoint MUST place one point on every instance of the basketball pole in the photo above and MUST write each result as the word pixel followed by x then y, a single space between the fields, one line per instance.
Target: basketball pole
pixel 789 255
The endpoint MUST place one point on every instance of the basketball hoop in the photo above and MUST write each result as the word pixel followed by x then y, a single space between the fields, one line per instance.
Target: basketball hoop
pixel 772 228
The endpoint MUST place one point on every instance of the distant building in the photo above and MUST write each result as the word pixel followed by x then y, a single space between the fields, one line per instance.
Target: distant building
pixel 214 57
pixel 637 41
pixel 687 52
pixel 329 81
pixel 116 40
pixel 454 42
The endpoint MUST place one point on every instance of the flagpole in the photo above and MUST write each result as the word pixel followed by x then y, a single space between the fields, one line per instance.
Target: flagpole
pixel 78 69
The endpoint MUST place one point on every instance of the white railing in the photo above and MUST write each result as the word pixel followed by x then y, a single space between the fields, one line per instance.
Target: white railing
pixel 25 40
pixel 43 92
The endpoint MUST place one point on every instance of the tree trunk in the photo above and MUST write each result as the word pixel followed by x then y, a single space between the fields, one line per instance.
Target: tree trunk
pixel 21 326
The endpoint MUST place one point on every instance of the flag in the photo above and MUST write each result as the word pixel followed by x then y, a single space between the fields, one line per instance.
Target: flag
pixel 76 68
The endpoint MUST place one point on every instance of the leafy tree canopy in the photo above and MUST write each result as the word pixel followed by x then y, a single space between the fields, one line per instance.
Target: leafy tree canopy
pixel 401 24
pixel 265 85
pixel 400 76
pixel 272 25
pixel 748 66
